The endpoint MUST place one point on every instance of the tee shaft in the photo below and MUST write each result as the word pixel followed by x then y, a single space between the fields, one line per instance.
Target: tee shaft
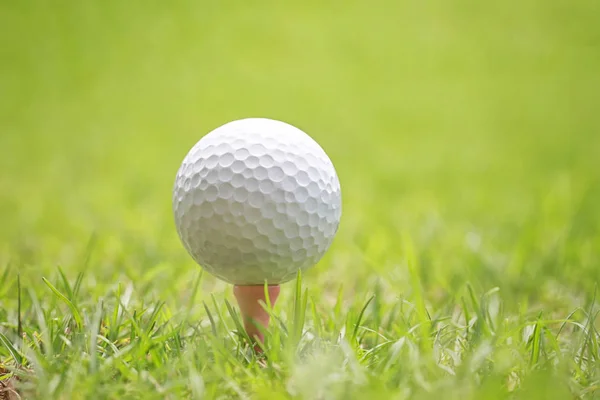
pixel 249 299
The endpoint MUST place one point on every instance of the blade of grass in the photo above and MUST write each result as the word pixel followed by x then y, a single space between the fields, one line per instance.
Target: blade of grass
pixel 587 330
pixel 15 354
pixel 536 341
pixel 151 322
pixel 74 311
pixel 40 313
pixel 473 298
pixel 316 318
pixel 193 294
pixel 218 311
pixel 65 283
pixel 94 332
pixel 566 321
pixel 89 249
pixel 413 268
pixel 299 311
pixel 467 316
pixel 359 319
pixel 4 279
pixel 115 325
pixel 238 324
pixel 210 318
pixel 19 316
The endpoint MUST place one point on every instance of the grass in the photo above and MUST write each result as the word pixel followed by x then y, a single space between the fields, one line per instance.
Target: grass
pixel 465 135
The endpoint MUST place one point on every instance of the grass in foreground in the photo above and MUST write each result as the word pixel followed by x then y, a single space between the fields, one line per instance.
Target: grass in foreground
pixel 469 347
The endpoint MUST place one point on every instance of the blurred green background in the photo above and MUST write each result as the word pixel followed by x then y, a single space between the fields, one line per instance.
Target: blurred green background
pixel 470 126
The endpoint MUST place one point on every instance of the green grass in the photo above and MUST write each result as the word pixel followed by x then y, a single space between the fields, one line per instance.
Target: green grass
pixel 466 136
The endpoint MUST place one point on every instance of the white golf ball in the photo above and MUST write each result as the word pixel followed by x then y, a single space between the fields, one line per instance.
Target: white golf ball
pixel 256 200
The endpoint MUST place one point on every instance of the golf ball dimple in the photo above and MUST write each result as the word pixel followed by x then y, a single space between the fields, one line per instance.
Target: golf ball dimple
pixel 256 200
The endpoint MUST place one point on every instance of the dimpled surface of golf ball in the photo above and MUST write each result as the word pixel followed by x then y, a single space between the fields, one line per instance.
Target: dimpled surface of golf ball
pixel 256 200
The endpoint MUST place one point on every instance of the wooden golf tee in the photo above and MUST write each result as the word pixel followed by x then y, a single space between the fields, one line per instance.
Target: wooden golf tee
pixel 249 299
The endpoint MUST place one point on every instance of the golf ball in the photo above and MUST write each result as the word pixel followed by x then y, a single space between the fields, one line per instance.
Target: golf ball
pixel 256 200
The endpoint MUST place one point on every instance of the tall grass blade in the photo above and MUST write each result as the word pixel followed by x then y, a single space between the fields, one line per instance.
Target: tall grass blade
pixel 359 319
pixel 62 297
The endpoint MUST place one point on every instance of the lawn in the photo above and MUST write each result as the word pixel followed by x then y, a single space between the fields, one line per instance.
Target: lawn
pixel 466 135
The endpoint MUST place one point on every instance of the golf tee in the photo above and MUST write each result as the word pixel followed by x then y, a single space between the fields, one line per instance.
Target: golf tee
pixel 249 299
